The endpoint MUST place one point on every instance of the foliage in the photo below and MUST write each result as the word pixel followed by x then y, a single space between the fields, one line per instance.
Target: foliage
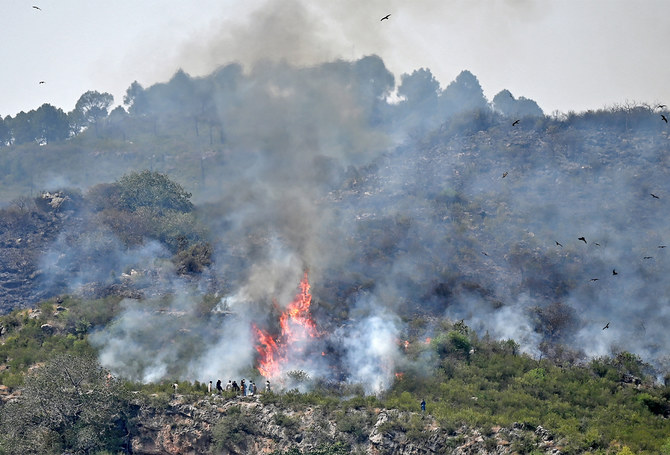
pixel 70 404
pixel 153 190
pixel 231 431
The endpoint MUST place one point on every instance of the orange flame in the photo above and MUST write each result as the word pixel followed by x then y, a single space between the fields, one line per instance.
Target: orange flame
pixel 296 326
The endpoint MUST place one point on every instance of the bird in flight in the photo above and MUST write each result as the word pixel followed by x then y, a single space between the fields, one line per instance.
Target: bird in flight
pixel 660 106
pixel 614 272
pixel 505 174
pixel 516 122
pixel 558 244
pixel 37 7
pixel 582 239
pixel 484 253
pixel 385 17
pixel 41 82
pixel 595 279
pixel 648 257
pixel 607 326
pixel 665 119
pixel 654 196
pixel 661 246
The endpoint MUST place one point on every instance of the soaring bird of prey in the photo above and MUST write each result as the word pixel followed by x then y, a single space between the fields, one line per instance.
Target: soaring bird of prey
pixel 661 246
pixel 558 244
pixel 516 122
pixel 648 257
pixel 660 106
pixel 614 272
pixel 37 7
pixel 505 174
pixel 41 82
pixel 607 326
pixel 665 119
pixel 595 279
pixel 654 196
pixel 582 239
pixel 385 17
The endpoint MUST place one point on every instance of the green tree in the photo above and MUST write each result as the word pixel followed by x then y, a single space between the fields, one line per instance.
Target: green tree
pixel 153 190
pixel 50 124
pixel 91 107
pixel 69 405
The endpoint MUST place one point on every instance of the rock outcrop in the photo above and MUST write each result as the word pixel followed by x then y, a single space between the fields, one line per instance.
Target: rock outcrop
pixel 251 425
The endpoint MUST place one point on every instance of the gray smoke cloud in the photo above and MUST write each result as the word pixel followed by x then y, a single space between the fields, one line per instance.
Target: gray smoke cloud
pixel 314 178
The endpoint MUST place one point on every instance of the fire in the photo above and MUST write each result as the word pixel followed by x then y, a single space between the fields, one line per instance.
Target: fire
pixel 296 326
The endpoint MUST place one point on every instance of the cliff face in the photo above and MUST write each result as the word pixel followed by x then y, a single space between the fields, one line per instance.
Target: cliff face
pixel 248 426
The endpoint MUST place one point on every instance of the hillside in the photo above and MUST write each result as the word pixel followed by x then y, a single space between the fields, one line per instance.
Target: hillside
pixel 302 223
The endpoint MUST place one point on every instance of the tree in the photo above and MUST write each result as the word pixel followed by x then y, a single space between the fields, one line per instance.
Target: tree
pixel 90 108
pixel 50 124
pixel 5 132
pixel 153 190
pixel 136 99
pixel 462 95
pixel 69 405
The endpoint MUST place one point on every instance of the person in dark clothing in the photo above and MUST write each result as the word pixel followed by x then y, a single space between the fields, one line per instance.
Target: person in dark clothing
pixel 219 389
pixel 236 388
pixel 423 405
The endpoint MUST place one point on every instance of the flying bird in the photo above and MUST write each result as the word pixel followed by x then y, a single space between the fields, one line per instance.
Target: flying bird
pixel 661 246
pixel 37 7
pixel 654 196
pixel 648 257
pixel 660 106
pixel 614 272
pixel 665 119
pixel 558 244
pixel 505 174
pixel 596 243
pixel 582 239
pixel 595 279
pixel 385 17
pixel 484 253
pixel 42 82
pixel 607 326
pixel 516 122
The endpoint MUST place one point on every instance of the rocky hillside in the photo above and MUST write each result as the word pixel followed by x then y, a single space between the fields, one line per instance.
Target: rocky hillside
pixel 256 425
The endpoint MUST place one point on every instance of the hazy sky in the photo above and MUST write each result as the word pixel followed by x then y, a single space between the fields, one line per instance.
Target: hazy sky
pixel 566 55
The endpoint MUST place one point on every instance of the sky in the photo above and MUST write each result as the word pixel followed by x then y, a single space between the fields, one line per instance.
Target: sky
pixel 569 55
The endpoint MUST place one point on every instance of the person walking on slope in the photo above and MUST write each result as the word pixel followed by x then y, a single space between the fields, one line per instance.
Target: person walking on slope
pixel 423 405
pixel 219 389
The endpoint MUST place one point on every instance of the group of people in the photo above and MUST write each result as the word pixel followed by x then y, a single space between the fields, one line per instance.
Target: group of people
pixel 244 389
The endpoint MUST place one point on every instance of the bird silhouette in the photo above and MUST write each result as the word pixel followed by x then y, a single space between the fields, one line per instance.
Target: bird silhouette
pixel 582 239
pixel 660 106
pixel 37 7
pixel 484 253
pixel 654 196
pixel 607 326
pixel 595 279
pixel 648 257
pixel 661 246
pixel 42 82
pixel 558 244
pixel 505 174
pixel 614 272
pixel 596 243
pixel 516 122
pixel 665 119
pixel 385 17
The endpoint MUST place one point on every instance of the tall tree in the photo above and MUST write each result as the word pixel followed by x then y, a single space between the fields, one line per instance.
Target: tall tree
pixel 91 107
pixel 50 124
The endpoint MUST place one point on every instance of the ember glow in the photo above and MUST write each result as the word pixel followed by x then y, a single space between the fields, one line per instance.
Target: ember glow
pixel 297 327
